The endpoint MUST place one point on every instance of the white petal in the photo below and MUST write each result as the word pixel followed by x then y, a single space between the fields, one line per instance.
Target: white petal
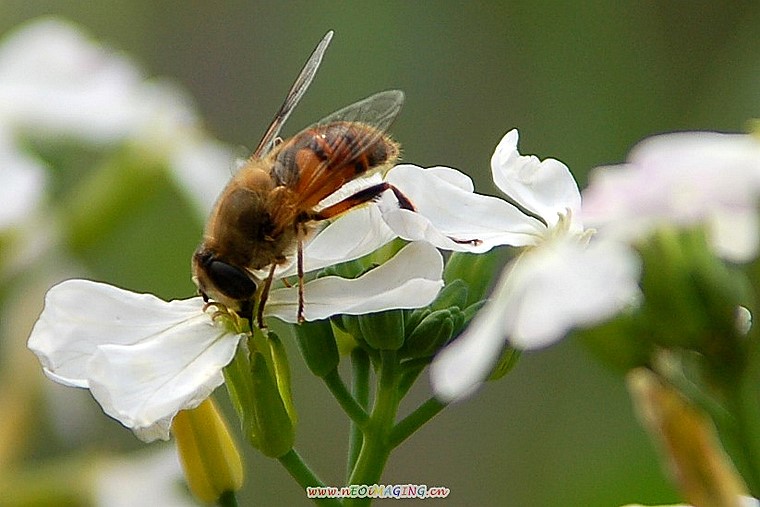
pixel 146 383
pixel 202 168
pixel 143 358
pixel 458 370
pixel 81 315
pixel 733 233
pixel 546 188
pixel 562 285
pixel 449 215
pixel 353 235
pixel 147 477
pixel 52 78
pixel 23 183
pixel 412 278
pixel 540 296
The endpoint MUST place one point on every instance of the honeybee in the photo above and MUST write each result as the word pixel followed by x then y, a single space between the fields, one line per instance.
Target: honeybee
pixel 269 207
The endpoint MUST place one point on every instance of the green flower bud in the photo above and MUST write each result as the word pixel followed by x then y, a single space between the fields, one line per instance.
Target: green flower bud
pixel 383 330
pixel 454 293
pixel 476 270
pixel 412 318
pixel 432 333
pixel 274 429
pixel 506 363
pixel 279 365
pixel 691 299
pixel 316 342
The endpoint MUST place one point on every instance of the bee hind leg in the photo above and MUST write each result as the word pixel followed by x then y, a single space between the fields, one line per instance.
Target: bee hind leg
pixel 364 196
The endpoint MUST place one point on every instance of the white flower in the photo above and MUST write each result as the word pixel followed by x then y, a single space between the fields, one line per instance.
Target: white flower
pixel 142 358
pixel 145 359
pixel 145 478
pixel 56 82
pixel 684 179
pixel 559 283
pixel 23 184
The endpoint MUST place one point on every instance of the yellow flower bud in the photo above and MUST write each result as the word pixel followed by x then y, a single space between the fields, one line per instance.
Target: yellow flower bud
pixel 209 457
pixel 688 441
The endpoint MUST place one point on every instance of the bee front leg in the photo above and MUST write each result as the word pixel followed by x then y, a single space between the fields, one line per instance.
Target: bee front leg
pixel 264 296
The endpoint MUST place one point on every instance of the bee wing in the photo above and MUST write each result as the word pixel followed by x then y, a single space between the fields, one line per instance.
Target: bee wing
pixel 294 96
pixel 378 111
pixel 342 147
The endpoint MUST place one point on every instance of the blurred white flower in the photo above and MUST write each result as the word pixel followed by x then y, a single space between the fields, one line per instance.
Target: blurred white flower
pixel 558 283
pixel 152 477
pixel 55 82
pixel 145 359
pixel 683 179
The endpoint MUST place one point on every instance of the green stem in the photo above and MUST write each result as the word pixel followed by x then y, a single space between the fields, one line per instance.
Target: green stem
pixel 409 376
pixel 375 448
pixel 303 475
pixel 360 389
pixel 227 499
pixel 414 421
pixel 338 389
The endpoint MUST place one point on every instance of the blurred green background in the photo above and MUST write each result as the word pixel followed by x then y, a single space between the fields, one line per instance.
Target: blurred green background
pixel 583 81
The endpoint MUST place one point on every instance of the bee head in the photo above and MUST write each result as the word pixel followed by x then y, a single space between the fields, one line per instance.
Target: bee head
pixel 222 282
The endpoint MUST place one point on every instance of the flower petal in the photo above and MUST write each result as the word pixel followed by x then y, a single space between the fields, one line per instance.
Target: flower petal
pixel 23 183
pixel 459 369
pixel 541 296
pixel 412 278
pixel 566 285
pixel 54 79
pixel 81 315
pixel 143 358
pixel 546 188
pixel 451 216
pixel 733 233
pixel 355 234
pixel 682 179
pixel 146 383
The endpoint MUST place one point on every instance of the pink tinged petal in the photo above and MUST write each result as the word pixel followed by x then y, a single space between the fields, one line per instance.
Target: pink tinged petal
pixel 565 285
pixel 681 179
pixel 411 279
pixel 146 383
pixel 545 188
pixel 81 315
pixel 450 215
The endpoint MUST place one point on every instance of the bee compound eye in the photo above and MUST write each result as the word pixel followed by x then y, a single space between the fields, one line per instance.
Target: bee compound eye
pixel 230 280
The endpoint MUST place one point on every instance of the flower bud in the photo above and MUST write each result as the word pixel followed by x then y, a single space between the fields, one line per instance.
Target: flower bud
pixel 508 360
pixel 318 347
pixel 453 293
pixel 209 457
pixel 691 300
pixel 475 270
pixel 432 333
pixel 274 428
pixel 383 330
pixel 688 441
